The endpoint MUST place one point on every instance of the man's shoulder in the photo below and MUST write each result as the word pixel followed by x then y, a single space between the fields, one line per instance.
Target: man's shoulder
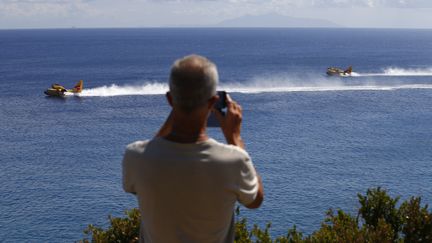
pixel 137 146
pixel 229 149
pixel 141 146
pixel 222 149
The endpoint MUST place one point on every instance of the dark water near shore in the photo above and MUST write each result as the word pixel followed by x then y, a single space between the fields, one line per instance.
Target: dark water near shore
pixel 316 141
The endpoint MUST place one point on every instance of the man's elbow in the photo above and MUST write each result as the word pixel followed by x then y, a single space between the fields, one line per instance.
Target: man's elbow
pixel 259 197
pixel 257 202
pixel 128 188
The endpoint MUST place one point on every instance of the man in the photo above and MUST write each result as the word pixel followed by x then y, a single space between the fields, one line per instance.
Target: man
pixel 187 184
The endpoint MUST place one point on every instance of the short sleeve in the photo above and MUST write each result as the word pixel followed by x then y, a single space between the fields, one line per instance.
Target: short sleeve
pixel 248 183
pixel 128 172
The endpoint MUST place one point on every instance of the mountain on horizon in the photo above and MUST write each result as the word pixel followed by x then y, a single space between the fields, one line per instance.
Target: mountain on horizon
pixel 276 20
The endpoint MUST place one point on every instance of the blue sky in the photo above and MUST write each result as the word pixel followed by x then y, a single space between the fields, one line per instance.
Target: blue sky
pixel 152 13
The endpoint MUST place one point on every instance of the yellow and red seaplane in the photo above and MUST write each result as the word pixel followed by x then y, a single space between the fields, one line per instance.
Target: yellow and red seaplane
pixel 57 90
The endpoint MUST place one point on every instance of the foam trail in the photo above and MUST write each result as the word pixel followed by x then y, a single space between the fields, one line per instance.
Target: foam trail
pixel 324 88
pixel 307 83
pixel 272 84
pixel 254 87
pixel 116 90
pixel 398 72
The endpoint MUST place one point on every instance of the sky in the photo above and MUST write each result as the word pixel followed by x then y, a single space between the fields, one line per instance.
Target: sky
pixel 15 14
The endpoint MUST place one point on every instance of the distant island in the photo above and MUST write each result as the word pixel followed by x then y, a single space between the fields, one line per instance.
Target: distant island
pixel 276 20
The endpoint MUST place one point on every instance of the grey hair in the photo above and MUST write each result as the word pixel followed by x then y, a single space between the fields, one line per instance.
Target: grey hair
pixel 193 82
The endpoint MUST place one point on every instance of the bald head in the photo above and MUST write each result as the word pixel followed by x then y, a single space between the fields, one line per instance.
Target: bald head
pixel 193 82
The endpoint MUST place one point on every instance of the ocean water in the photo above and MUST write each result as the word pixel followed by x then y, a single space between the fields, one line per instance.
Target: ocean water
pixel 316 141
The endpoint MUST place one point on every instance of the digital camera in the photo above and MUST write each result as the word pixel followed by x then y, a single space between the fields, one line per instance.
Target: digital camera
pixel 221 106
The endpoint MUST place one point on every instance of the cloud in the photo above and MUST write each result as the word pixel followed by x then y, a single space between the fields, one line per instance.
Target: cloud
pixel 323 3
pixel 153 13
pixel 45 1
pixel 53 8
pixel 358 3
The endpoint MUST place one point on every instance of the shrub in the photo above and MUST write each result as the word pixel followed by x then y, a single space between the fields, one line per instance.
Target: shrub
pixel 378 220
pixel 120 229
pixel 378 205
pixel 417 221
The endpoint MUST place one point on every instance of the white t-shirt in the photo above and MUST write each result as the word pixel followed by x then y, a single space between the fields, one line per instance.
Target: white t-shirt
pixel 187 192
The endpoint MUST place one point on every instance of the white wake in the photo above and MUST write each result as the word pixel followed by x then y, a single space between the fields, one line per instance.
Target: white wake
pixel 325 88
pixel 262 86
pixel 118 90
pixel 281 83
pixel 397 72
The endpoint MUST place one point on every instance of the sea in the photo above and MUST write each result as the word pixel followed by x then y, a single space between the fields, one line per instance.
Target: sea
pixel 317 141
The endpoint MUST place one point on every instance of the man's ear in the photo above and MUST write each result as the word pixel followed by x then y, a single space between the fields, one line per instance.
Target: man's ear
pixel 169 98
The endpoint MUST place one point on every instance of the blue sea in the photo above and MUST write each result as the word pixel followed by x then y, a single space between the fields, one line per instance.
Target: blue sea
pixel 316 141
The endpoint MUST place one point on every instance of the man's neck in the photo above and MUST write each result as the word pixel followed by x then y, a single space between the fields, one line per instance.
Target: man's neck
pixel 179 137
pixel 188 128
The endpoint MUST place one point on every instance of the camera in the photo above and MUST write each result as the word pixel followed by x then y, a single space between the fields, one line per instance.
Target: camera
pixel 221 106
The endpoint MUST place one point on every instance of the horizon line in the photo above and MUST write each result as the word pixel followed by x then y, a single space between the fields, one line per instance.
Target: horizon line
pixel 211 27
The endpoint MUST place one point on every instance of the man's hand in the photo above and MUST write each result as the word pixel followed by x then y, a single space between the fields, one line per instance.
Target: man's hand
pixel 231 122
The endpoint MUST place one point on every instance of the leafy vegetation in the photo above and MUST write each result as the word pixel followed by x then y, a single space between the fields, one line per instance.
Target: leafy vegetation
pixel 378 220
pixel 120 229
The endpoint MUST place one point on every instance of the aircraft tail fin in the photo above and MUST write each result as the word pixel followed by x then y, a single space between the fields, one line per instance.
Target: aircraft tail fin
pixel 348 70
pixel 77 88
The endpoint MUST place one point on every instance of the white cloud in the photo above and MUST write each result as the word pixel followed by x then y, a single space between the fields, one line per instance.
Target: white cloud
pixel 310 3
pixel 357 3
pixel 153 13
pixel 46 8
pixel 324 3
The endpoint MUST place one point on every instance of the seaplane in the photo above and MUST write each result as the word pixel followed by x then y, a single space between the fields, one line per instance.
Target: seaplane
pixel 334 71
pixel 57 90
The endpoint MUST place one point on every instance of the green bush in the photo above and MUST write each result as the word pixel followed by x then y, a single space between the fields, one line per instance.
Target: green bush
pixel 417 221
pixel 378 205
pixel 378 220
pixel 120 229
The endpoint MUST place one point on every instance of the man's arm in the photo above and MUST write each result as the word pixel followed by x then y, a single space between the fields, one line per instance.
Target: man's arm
pixel 259 197
pixel 231 128
pixel 128 172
